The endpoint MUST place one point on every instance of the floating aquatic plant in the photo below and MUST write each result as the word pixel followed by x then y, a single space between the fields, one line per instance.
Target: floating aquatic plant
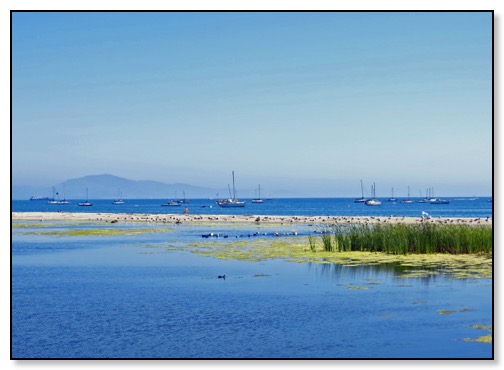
pixel 100 231
pixel 294 249
pixel 449 312
pixel 483 339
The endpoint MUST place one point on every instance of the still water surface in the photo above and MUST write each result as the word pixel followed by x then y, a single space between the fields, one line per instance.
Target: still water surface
pixel 110 297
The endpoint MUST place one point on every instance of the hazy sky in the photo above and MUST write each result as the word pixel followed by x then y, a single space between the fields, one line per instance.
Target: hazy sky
pixel 306 102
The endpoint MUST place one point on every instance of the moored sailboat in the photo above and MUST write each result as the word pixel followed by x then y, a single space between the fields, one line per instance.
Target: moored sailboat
pixel 392 199
pixel 56 200
pixel 171 203
pixel 258 200
pixel 361 199
pixel 373 201
pixel 432 200
pixel 183 200
pixel 119 200
pixel 231 202
pixel 87 203
pixel 407 201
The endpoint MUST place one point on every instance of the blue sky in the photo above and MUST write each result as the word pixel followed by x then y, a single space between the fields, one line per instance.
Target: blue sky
pixel 309 103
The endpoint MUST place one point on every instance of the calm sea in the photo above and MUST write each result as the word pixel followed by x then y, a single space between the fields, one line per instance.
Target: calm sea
pixel 135 297
pixel 458 207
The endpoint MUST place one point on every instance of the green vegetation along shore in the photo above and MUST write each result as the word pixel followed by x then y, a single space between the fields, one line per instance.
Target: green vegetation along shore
pixel 408 238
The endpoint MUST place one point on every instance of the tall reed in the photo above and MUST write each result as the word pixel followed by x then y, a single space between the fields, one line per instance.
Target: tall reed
pixel 326 241
pixel 414 238
pixel 311 241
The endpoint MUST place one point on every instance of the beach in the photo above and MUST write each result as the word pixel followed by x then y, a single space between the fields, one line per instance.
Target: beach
pixel 199 218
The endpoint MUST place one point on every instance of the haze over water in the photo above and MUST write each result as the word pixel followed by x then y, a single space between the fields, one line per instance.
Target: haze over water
pixel 308 103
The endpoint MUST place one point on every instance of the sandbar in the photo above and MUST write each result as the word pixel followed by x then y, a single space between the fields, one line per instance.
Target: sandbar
pixel 262 219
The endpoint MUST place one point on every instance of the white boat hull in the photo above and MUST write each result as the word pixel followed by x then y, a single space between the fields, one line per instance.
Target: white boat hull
pixel 373 202
pixel 232 204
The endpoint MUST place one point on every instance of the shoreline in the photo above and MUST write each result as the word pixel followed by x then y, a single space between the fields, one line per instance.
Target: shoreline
pixel 256 219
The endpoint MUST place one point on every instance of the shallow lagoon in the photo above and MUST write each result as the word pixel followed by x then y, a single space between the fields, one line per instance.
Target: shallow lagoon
pixel 142 296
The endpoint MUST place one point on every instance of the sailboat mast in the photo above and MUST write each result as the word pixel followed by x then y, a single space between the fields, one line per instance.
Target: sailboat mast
pixel 362 189
pixel 234 191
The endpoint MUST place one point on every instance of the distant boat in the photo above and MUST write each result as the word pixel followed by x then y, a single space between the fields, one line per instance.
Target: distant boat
pixel 258 200
pixel 40 198
pixel 55 199
pixel 361 199
pixel 373 201
pixel 87 203
pixel 407 201
pixel 183 200
pixel 432 200
pixel 171 203
pixel 119 200
pixel 427 198
pixel 231 202
pixel 392 199
pixel 439 201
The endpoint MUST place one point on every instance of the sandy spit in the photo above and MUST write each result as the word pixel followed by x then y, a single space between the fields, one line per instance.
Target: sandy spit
pixel 177 218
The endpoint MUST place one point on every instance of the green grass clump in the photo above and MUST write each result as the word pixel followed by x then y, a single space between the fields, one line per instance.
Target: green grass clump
pixel 415 238
pixel 327 242
pixel 313 245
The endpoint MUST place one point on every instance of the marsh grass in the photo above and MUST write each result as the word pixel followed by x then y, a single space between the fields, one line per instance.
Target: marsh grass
pixel 312 242
pixel 327 242
pixel 294 249
pixel 415 238
pixel 101 232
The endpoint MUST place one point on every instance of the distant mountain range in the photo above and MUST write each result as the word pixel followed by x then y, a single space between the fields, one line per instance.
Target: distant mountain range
pixel 110 187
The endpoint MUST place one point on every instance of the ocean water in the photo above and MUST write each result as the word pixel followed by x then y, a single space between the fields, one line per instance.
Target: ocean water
pixel 458 207
pixel 117 297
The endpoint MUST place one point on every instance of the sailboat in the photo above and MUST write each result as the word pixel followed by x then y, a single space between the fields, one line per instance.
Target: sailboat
pixel 258 200
pixel 392 199
pixel 361 199
pixel 407 201
pixel 183 200
pixel 231 202
pixel 172 203
pixel 431 199
pixel 434 200
pixel 373 201
pixel 119 200
pixel 87 203
pixel 55 200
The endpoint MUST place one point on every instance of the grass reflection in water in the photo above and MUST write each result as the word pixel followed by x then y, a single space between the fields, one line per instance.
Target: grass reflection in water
pixel 297 249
